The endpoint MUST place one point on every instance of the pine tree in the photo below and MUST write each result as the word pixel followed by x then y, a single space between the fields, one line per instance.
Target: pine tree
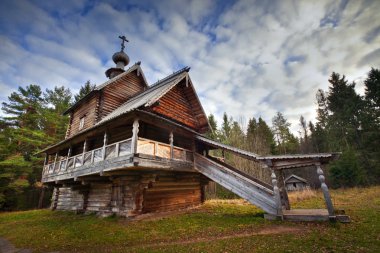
pixel 84 90
pixel 286 141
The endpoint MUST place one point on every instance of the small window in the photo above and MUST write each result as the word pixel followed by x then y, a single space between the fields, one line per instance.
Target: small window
pixel 81 122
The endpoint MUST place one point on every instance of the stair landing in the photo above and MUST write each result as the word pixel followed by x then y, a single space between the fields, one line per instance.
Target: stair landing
pixel 306 215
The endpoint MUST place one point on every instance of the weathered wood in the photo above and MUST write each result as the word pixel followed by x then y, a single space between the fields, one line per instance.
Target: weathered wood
pixel 247 189
pixel 282 189
pixel 276 192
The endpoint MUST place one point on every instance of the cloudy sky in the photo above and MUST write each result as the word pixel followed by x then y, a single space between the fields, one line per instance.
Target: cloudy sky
pixel 248 58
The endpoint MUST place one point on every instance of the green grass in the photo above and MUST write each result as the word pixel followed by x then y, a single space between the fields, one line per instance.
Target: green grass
pixel 201 230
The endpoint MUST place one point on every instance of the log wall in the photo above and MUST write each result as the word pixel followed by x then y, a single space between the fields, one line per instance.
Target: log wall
pixel 119 92
pixel 175 105
pixel 133 194
pixel 70 199
pixel 87 110
pixel 99 197
pixel 172 192
pixel 101 103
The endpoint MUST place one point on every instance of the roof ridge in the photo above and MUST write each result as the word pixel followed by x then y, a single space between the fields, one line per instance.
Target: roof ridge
pixel 101 86
pixel 187 69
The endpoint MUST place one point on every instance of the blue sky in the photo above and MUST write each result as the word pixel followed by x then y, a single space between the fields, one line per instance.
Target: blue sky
pixel 248 58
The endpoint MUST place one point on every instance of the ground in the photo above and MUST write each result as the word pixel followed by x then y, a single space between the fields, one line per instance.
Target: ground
pixel 216 226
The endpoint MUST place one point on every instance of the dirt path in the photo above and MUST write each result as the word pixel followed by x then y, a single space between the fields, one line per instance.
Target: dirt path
pixel 7 247
pixel 266 231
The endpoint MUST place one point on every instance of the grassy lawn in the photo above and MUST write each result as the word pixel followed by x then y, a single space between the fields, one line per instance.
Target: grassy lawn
pixel 216 226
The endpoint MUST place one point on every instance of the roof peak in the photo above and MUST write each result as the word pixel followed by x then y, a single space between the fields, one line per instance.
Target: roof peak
pixel 184 69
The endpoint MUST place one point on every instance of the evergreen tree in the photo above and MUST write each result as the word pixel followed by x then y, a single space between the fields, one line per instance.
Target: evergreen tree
pixel 213 133
pixel 84 90
pixel 370 125
pixel 286 141
pixel 58 100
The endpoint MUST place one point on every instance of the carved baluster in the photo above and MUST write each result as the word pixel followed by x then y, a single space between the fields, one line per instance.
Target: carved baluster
pixel 325 190
pixel 276 192
pixel 135 132
pixel 171 141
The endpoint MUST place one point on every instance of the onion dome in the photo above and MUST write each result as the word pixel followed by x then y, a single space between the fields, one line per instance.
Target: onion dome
pixel 121 59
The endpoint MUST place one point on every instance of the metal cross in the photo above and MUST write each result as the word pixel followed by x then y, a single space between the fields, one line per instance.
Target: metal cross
pixel 124 39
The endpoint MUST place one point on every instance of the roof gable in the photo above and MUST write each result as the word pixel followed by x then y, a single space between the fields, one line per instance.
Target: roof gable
pixel 154 93
pixel 136 67
pixel 297 178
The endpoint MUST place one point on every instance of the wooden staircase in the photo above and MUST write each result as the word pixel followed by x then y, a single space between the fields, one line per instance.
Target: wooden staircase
pixel 253 190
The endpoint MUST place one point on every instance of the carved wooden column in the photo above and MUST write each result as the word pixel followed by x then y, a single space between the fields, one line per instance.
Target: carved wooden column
pixel 68 156
pixel 55 161
pixel 281 186
pixel 135 132
pixel 276 192
pixel 325 190
pixel 85 147
pixel 46 162
pixel 105 141
pixel 171 141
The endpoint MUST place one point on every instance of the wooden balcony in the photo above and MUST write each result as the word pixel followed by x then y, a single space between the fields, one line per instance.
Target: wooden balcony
pixel 119 156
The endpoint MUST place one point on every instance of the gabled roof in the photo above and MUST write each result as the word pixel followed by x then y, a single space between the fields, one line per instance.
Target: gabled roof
pixel 296 177
pixel 98 88
pixel 151 95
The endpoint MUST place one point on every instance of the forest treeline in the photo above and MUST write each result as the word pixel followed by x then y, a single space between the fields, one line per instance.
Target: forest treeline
pixel 346 122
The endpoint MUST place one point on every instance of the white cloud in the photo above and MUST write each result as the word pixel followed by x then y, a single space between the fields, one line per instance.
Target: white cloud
pixel 237 56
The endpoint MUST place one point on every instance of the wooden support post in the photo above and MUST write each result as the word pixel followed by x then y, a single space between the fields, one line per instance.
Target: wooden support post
pixel 68 156
pixel 55 161
pixel 171 141
pixel 325 190
pixel 135 132
pixel 84 150
pixel 105 140
pixel 46 163
pixel 276 192
pixel 46 159
pixel 281 186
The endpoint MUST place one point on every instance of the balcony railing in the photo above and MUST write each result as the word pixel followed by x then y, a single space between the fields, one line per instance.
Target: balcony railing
pixel 122 148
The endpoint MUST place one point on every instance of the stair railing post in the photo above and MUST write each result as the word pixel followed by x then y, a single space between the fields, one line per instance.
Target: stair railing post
pixel 276 192
pixel 325 190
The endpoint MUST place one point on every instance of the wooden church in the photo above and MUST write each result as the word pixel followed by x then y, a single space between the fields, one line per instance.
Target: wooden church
pixel 134 148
